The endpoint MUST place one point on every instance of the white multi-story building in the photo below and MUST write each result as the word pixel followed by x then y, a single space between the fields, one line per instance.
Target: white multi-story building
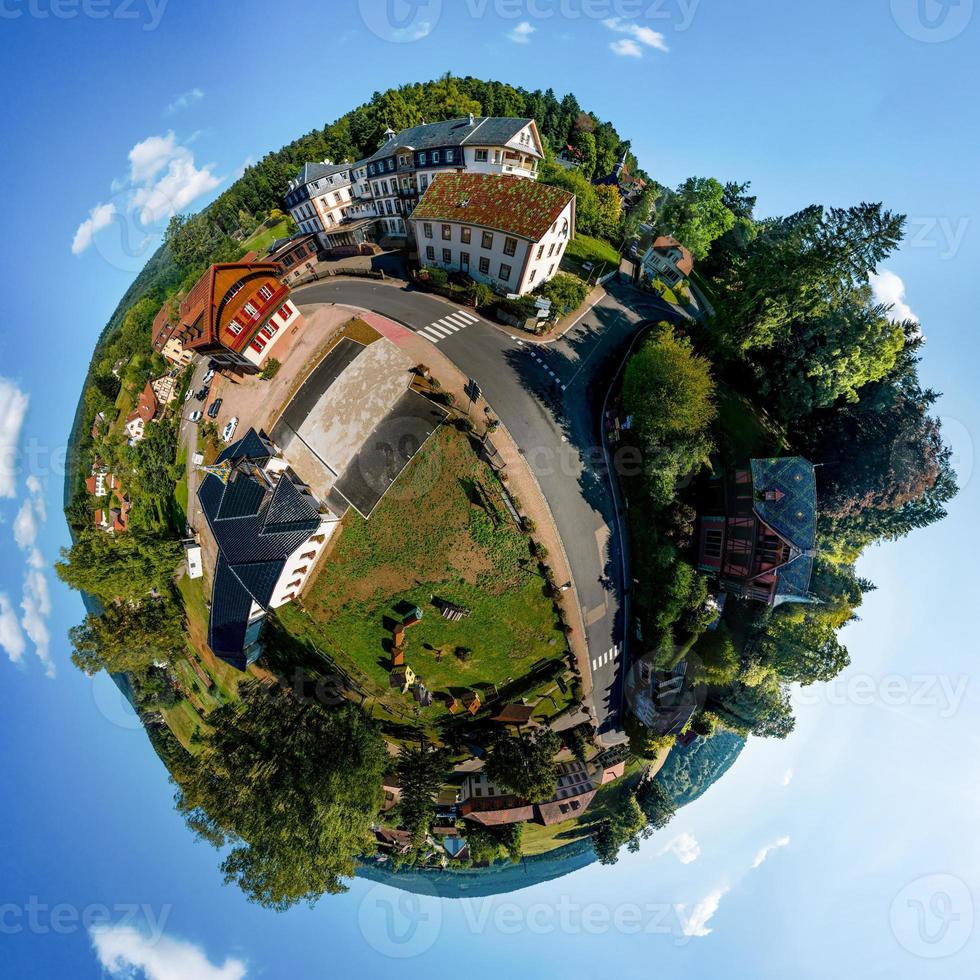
pixel 500 230
pixel 319 197
pixel 345 203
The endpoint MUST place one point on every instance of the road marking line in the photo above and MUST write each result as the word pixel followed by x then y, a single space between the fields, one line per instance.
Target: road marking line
pixel 595 664
pixel 433 338
pixel 448 324
pixel 467 316
pixel 439 331
pixel 456 318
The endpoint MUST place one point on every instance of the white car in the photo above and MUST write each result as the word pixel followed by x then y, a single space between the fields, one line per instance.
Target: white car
pixel 229 430
pixel 209 377
pixel 190 392
pixel 194 417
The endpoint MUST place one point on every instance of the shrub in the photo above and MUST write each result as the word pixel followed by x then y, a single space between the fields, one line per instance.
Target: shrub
pixel 435 275
pixel 270 370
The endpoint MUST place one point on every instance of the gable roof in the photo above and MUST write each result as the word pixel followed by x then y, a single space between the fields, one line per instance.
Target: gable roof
pixel 685 263
pixel 482 131
pixel 316 171
pixel 257 524
pixel 514 205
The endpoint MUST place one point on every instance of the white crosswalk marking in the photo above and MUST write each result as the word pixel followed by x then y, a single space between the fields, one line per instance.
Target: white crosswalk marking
pixel 608 657
pixel 448 325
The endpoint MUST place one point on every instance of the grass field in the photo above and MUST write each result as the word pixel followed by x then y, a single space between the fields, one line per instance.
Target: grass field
pixel 583 248
pixel 538 839
pixel 743 433
pixel 430 539
pixel 180 490
pixel 265 235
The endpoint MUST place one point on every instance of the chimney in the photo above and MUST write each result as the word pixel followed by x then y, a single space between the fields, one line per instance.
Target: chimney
pixel 472 119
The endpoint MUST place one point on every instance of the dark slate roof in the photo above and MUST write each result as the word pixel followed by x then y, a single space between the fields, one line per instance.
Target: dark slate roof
pixel 230 606
pixel 483 131
pixel 256 529
pixel 314 171
pixel 793 579
pixel 794 515
pixel 252 445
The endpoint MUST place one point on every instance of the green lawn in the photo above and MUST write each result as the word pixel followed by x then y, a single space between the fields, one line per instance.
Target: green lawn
pixel 180 490
pixel 743 433
pixel 429 539
pixel 265 235
pixel 538 839
pixel 583 248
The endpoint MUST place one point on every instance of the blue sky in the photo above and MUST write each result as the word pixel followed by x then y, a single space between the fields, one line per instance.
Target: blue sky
pixel 864 820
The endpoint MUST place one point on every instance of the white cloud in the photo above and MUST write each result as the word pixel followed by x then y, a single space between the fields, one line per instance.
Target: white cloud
pixel 696 924
pixel 36 607
pixel 98 218
pixel 684 847
pixel 414 33
pixel 122 951
pixel 11 638
pixel 185 100
pixel 163 180
pixel 521 34
pixel 626 48
pixel 13 409
pixel 768 849
pixel 176 189
pixel 889 289
pixel 25 525
pixel 640 35
pixel 787 777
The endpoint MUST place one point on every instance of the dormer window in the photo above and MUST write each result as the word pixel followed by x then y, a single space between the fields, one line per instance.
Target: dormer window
pixel 422 158
pixel 235 327
pixel 450 156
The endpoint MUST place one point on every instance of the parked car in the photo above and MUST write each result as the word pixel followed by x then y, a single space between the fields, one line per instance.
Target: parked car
pixel 209 377
pixel 202 394
pixel 194 417
pixel 229 430
pixel 214 408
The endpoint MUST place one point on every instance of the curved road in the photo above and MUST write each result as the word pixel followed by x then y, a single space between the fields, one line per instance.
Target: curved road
pixel 549 396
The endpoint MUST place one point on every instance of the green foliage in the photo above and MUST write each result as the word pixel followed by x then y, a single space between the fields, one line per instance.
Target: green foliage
pixel 421 770
pixel 488 845
pixel 695 214
pixel 270 370
pixel 566 292
pixel 127 567
pixel 290 787
pixel 716 660
pixel 669 391
pixel 622 827
pixel 525 764
pixel 760 709
pixel 656 804
pixel 129 637
pixel 436 275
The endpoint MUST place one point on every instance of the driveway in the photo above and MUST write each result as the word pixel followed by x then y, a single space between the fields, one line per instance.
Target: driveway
pixel 550 398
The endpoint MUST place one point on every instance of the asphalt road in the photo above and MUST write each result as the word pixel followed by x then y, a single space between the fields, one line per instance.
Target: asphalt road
pixel 550 399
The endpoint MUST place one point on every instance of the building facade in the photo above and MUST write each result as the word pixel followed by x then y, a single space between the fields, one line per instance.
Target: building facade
pixel 666 259
pixel 350 203
pixel 269 531
pixel 758 532
pixel 234 314
pixel 503 231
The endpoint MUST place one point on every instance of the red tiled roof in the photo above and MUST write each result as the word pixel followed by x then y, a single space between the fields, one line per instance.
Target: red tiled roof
pixel 685 263
pixel 514 714
pixel 514 205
